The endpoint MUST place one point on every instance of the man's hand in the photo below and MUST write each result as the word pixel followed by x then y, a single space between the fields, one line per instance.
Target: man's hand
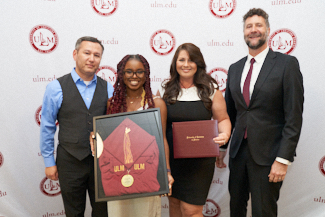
pixel 170 183
pixel 91 140
pixel 219 160
pixel 278 172
pixel 52 173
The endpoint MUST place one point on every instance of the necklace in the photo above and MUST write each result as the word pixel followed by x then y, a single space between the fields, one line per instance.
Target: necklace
pixel 137 97
pixel 133 98
pixel 186 88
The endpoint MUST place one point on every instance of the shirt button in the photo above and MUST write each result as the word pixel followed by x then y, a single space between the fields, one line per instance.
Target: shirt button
pixel 89 122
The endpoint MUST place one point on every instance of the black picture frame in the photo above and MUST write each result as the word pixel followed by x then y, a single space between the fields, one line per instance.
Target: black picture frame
pixel 109 147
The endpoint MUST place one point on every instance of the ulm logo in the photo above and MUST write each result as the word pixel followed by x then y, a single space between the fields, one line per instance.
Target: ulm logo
pixel 50 187
pixel 283 40
pixel 38 117
pixel 107 73
pixel 1 159
pixel 222 8
pixel 43 39
pixel 211 209
pixel 220 75
pixel 104 7
pixel 162 42
pixel 322 165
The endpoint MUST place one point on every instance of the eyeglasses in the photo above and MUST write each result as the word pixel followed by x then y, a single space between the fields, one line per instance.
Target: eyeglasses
pixel 129 73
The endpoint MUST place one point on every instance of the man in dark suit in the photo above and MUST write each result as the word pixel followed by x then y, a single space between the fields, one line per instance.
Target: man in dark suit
pixel 74 99
pixel 264 99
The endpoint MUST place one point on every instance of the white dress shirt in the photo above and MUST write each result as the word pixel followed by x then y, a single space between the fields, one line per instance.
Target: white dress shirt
pixel 257 66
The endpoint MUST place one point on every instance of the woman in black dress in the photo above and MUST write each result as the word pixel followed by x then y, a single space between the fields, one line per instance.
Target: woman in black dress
pixel 191 94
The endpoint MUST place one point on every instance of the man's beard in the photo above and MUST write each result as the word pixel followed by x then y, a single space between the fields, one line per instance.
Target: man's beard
pixel 260 42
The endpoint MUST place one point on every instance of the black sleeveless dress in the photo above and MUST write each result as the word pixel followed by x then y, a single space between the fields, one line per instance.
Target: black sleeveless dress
pixel 192 176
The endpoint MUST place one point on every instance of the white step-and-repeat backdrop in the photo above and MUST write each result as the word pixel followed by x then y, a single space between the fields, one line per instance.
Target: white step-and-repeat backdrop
pixel 37 41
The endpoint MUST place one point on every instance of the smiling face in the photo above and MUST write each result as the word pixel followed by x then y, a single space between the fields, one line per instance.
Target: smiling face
pixel 134 74
pixel 256 33
pixel 87 59
pixel 185 67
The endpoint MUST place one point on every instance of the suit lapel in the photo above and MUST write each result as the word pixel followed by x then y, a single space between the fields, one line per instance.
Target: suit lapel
pixel 267 67
pixel 239 72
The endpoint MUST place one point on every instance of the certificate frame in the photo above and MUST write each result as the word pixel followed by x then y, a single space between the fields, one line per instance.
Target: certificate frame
pixel 108 144
pixel 194 139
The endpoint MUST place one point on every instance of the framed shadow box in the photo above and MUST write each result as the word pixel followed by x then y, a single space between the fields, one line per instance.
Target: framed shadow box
pixel 129 155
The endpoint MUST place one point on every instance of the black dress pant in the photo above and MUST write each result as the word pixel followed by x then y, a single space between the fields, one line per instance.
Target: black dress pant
pixel 76 178
pixel 248 177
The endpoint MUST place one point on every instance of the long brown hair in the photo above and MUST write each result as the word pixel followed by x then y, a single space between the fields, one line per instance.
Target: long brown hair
pixel 203 81
pixel 118 101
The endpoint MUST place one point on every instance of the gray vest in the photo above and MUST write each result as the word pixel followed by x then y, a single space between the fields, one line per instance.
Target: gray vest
pixel 75 120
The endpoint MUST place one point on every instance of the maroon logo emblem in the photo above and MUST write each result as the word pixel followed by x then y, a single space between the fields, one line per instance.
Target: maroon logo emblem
pixel 222 8
pixel 220 75
pixel 283 40
pixel 50 187
pixel 104 7
pixel 1 159
pixel 107 73
pixel 43 39
pixel 162 42
pixel 322 165
pixel 211 209
pixel 38 116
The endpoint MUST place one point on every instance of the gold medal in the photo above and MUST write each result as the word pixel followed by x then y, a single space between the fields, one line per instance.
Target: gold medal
pixel 127 180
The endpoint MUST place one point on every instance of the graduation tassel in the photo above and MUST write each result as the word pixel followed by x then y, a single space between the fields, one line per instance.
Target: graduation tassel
pixel 128 158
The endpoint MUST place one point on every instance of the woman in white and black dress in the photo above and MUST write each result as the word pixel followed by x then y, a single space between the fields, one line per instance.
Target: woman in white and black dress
pixel 191 94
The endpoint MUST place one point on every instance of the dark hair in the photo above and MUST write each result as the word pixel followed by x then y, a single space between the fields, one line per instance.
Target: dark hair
pixel 88 38
pixel 118 101
pixel 201 80
pixel 259 12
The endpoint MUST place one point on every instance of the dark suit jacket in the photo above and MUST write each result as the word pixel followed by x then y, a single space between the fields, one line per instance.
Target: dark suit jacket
pixel 274 115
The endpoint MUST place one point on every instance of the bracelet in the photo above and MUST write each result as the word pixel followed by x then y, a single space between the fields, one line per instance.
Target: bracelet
pixel 168 170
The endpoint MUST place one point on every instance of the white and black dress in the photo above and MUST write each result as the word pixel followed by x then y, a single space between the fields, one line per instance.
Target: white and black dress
pixel 192 176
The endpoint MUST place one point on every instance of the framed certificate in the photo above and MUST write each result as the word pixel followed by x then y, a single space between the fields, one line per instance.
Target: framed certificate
pixel 129 155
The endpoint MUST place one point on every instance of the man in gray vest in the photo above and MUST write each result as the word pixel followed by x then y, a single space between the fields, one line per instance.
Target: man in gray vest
pixel 74 99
